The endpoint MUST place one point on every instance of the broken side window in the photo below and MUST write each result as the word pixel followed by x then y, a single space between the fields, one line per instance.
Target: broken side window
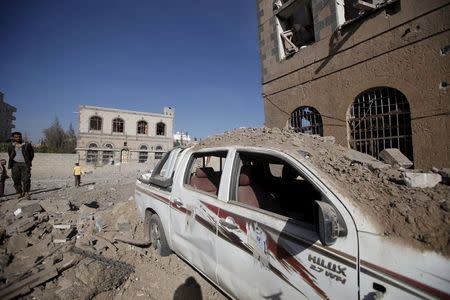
pixel 204 171
pixel 295 27
pixel 270 183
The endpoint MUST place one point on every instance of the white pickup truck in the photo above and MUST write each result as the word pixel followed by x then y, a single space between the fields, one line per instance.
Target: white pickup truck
pixel 260 223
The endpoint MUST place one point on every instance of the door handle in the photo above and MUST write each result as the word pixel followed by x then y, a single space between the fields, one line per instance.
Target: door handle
pixel 178 202
pixel 229 223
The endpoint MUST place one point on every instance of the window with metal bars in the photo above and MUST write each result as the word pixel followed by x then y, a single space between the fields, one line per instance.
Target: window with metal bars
pixel 92 155
pixel 107 155
pixel 118 125
pixel 380 118
pixel 306 119
pixel 143 154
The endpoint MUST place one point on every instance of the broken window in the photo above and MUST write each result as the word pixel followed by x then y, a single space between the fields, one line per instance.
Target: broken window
pixel 269 183
pixel 306 119
pixel 143 154
pixel 118 125
pixel 160 128
pixel 158 153
pixel 95 123
pixel 142 127
pixel 92 154
pixel 108 155
pixel 295 26
pixel 205 171
pixel 380 118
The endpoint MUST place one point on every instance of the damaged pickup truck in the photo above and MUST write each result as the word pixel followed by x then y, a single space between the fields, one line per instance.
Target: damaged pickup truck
pixel 263 223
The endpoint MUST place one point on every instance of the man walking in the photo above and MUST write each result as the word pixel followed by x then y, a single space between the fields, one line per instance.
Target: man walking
pixel 20 155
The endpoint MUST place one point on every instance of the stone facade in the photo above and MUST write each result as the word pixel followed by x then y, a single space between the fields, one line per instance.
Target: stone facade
pixel 108 135
pixel 6 119
pixel 399 48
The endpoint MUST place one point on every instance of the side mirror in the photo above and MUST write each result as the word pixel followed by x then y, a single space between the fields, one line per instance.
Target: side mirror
pixel 330 224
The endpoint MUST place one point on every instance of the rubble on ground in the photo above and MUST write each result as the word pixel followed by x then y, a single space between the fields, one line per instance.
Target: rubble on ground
pixel 83 243
pixel 419 216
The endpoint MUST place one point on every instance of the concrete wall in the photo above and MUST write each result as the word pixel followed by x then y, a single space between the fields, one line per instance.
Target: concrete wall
pixel 401 50
pixel 59 166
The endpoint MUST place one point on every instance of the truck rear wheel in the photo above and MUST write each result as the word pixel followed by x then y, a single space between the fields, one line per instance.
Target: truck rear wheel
pixel 157 236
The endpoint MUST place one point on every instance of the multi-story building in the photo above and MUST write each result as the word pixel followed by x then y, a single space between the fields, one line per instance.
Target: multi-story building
pixel 108 135
pixel 6 119
pixel 374 74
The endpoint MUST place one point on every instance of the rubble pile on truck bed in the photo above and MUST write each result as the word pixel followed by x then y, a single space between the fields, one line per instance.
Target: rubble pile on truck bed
pixel 418 216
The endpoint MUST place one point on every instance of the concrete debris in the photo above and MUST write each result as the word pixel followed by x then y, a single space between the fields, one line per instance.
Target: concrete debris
pixel 369 183
pixel 394 157
pixel 62 226
pixel 31 209
pixel 422 180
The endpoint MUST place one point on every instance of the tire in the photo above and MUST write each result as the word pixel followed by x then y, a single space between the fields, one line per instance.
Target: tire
pixel 157 236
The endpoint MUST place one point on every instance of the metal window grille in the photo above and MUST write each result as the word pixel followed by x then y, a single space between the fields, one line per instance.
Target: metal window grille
pixel 380 118
pixel 117 125
pixel 143 155
pixel 307 119
pixel 142 127
pixel 158 155
pixel 92 155
pixel 95 123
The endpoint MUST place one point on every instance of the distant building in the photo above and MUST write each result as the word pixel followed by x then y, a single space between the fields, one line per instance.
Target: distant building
pixel 108 135
pixel 374 74
pixel 6 119
pixel 181 138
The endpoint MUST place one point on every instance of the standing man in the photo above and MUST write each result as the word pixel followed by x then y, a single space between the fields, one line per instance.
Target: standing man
pixel 21 155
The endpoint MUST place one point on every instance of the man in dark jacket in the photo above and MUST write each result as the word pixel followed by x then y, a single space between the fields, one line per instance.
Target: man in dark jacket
pixel 21 155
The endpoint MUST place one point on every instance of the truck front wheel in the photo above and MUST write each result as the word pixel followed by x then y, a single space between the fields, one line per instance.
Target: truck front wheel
pixel 158 237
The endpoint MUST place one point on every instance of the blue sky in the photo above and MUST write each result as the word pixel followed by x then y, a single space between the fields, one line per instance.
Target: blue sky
pixel 200 57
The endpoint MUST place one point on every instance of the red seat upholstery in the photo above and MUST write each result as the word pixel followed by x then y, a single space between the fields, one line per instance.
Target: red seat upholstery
pixel 204 180
pixel 255 193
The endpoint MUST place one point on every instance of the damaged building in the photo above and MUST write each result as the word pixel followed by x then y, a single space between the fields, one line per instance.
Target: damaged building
pixel 7 119
pixel 108 135
pixel 373 74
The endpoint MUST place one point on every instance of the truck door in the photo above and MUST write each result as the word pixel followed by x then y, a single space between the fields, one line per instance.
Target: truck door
pixel 194 224
pixel 268 246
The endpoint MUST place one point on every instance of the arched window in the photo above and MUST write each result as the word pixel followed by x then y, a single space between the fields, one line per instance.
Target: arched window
pixel 306 119
pixel 158 153
pixel 380 118
pixel 118 125
pixel 95 123
pixel 160 128
pixel 108 155
pixel 143 154
pixel 92 153
pixel 142 127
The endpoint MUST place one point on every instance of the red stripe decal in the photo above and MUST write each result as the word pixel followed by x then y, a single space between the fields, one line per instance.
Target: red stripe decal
pixel 419 285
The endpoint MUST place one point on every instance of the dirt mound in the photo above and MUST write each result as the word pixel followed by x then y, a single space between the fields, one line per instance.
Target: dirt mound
pixel 419 216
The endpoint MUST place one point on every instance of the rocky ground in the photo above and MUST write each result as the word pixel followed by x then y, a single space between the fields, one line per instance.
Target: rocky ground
pixel 62 243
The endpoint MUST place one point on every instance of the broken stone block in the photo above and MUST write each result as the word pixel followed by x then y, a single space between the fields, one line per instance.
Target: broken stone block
pixel 394 157
pixel 86 212
pixel 328 139
pixel 31 209
pixel 54 206
pixel 421 180
pixel 371 162
pixel 17 242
